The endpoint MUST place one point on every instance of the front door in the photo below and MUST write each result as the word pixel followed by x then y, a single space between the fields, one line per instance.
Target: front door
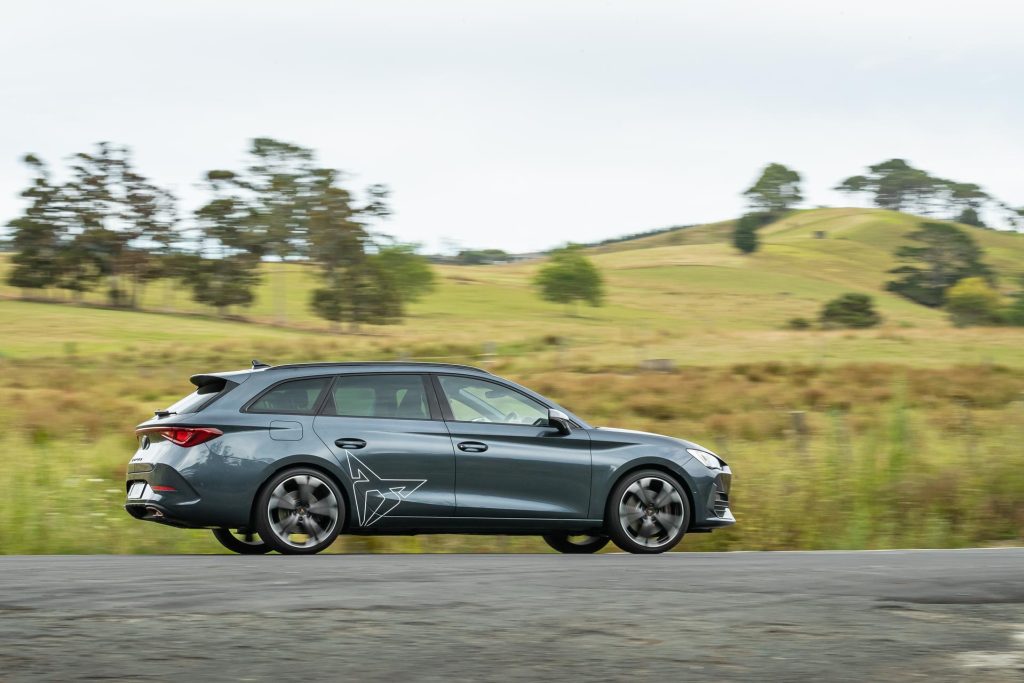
pixel 386 431
pixel 509 463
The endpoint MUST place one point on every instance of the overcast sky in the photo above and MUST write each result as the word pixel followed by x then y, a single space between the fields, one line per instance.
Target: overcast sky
pixel 524 124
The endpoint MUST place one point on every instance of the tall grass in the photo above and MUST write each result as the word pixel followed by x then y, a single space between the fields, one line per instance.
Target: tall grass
pixel 884 456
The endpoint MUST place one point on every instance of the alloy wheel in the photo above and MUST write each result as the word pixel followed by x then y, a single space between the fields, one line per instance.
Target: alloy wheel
pixel 302 511
pixel 652 512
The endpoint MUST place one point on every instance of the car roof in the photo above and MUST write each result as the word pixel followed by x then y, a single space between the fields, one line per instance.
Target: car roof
pixel 381 364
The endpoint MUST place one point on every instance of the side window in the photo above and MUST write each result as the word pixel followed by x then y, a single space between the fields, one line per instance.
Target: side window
pixel 296 396
pixel 394 396
pixel 474 400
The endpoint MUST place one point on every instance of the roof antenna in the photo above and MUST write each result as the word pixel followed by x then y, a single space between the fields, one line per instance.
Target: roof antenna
pixel 256 365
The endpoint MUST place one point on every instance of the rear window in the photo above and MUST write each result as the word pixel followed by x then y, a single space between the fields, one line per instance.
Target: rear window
pixel 201 397
pixel 295 396
pixel 390 396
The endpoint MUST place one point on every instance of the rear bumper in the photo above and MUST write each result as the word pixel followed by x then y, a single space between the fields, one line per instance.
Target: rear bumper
pixel 180 507
pixel 152 512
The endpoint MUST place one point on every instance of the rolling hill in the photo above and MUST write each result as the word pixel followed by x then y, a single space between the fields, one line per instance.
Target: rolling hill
pixel 684 294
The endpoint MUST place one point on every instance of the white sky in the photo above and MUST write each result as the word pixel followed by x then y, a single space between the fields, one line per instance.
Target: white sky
pixel 524 124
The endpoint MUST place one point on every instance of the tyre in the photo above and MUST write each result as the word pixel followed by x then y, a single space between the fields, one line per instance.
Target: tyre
pixel 648 512
pixel 243 544
pixel 299 511
pixel 575 543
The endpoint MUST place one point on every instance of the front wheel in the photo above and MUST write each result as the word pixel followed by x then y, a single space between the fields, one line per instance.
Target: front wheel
pixel 299 512
pixel 648 512
pixel 575 543
pixel 246 543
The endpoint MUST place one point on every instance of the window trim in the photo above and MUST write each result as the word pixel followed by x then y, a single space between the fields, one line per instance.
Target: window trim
pixel 446 410
pixel 247 408
pixel 433 406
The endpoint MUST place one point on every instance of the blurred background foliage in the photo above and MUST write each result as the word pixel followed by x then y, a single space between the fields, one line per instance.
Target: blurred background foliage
pixel 862 455
pixel 861 369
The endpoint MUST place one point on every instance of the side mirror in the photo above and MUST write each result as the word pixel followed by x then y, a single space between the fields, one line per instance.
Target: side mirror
pixel 559 420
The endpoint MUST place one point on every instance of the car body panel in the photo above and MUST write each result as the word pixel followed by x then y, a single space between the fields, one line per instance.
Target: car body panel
pixel 405 469
pixel 531 479
pixel 525 472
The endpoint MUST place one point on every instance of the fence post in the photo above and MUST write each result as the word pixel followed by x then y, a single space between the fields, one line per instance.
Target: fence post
pixel 799 418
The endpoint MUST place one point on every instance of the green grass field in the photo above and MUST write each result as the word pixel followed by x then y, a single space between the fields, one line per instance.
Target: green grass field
pixel 684 295
pixel 928 415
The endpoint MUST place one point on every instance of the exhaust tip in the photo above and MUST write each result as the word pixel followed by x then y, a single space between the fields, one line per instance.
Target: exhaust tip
pixel 152 511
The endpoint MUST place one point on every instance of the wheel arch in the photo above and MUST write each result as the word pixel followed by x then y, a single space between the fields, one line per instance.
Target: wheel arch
pixel 292 464
pixel 634 467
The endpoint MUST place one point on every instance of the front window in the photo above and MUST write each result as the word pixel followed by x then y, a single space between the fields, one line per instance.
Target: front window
pixel 475 400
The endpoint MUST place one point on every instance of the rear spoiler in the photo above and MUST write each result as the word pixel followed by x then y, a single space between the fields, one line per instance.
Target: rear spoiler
pixel 202 380
pixel 236 377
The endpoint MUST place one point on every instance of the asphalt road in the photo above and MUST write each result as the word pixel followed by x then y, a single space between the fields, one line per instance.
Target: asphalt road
pixel 857 616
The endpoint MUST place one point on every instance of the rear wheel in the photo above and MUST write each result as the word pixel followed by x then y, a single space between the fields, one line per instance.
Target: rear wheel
pixel 575 543
pixel 648 512
pixel 299 512
pixel 247 543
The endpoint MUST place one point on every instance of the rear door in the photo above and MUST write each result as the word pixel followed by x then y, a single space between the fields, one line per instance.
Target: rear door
pixel 387 432
pixel 509 463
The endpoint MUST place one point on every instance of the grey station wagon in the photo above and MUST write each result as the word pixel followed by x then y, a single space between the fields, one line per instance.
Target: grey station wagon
pixel 285 458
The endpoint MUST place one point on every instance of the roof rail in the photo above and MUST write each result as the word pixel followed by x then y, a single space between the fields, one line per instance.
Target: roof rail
pixel 343 364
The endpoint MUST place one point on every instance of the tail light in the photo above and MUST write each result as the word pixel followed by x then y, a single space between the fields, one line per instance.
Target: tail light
pixel 183 436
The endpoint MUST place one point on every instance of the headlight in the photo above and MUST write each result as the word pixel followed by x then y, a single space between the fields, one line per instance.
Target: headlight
pixel 710 461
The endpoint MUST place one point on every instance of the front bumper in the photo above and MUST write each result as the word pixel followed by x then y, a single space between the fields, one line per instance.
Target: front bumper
pixel 716 512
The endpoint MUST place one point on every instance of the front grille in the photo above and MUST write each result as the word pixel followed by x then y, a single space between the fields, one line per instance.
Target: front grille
pixel 721 502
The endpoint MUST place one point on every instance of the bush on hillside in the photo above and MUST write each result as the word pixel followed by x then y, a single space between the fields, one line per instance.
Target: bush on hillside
pixel 972 301
pixel 969 216
pixel 744 235
pixel 569 277
pixel 1013 314
pixel 850 310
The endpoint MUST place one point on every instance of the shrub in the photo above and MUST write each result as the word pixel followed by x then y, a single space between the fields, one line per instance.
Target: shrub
pixel 971 301
pixel 568 277
pixel 744 236
pixel 798 324
pixel 851 310
pixel 1013 314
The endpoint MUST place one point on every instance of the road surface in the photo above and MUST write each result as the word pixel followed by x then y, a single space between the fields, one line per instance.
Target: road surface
pixel 836 616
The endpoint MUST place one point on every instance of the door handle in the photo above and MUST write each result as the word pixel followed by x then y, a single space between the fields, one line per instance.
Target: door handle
pixel 350 444
pixel 472 446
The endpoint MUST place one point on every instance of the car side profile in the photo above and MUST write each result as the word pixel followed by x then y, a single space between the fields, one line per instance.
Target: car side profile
pixel 287 457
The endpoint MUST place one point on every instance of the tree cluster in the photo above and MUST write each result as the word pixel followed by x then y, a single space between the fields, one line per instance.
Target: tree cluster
pixel 479 257
pixel 775 191
pixel 106 224
pixel 892 184
pixel 895 184
pixel 939 255
pixel 943 267
pixel 109 224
